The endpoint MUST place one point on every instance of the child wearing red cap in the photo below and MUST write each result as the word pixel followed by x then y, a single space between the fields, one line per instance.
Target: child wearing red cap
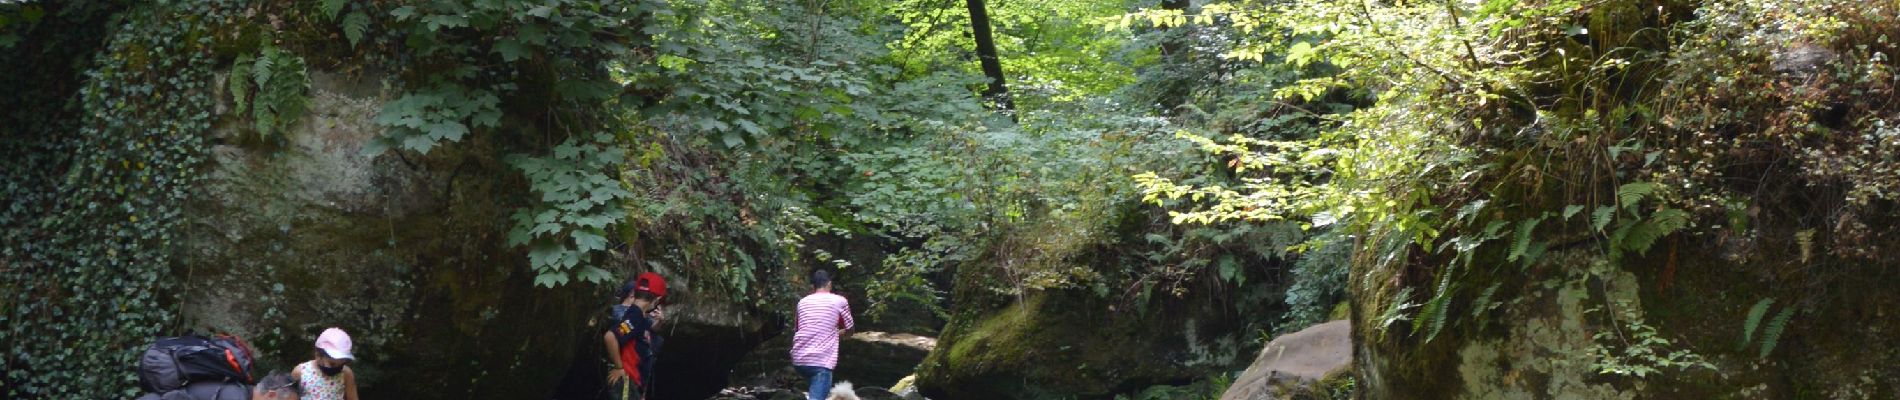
pixel 630 341
pixel 328 377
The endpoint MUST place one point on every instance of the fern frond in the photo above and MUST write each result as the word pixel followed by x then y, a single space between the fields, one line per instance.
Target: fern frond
pixel 1395 312
pixel 1664 222
pixel 1465 213
pixel 354 26
pixel 1523 240
pixel 1631 193
pixel 1772 334
pixel 331 7
pixel 1484 301
pixel 1438 310
pixel 239 80
pixel 1754 319
pixel 1601 217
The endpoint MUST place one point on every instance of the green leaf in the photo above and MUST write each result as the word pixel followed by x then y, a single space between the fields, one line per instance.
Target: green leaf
pixel 1754 319
pixel 1664 222
pixel 592 274
pixel 1229 269
pixel 403 13
pixel 511 49
pixel 1771 335
pixel 1571 211
pixel 732 139
pixel 545 255
pixel 1601 217
pixel 239 82
pixel 1631 193
pixel 450 131
pixel 550 279
pixel 589 241
pixel 1523 238
pixel 355 26
pixel 1470 210
pixel 331 7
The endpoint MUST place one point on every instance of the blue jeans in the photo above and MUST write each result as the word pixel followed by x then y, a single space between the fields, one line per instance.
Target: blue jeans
pixel 820 378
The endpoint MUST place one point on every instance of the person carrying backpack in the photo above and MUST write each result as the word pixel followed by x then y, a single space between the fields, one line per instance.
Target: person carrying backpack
pixel 630 340
pixel 328 375
pixel 196 367
pixel 823 318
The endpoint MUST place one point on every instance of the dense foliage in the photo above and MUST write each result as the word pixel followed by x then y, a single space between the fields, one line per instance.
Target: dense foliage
pixel 1263 153
pixel 94 185
pixel 1500 131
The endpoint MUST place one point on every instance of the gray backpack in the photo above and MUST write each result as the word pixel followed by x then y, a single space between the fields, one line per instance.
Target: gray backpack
pixel 174 363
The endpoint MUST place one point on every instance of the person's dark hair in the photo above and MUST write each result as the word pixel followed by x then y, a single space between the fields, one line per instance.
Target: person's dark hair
pixel 626 290
pixel 819 278
pixel 279 381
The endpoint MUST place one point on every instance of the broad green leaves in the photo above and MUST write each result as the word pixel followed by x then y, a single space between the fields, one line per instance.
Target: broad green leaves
pixel 579 199
pixel 421 120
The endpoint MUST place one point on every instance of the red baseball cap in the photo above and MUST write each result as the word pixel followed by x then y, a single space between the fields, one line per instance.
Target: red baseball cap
pixel 651 283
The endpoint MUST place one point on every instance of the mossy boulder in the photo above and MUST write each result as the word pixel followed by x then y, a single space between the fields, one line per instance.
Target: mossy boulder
pixel 1563 336
pixel 1074 344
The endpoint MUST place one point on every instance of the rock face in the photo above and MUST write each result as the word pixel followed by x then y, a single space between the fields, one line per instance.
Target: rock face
pixel 1294 359
pixel 295 235
pixel 1559 341
pixel 407 253
pixel 880 359
pixel 1067 343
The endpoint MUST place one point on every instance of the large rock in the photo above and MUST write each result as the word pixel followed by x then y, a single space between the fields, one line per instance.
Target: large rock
pixel 1070 343
pixel 1547 338
pixel 880 359
pixel 293 235
pixel 1295 359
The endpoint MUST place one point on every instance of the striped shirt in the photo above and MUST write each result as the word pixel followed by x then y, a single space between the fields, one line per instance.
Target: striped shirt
pixel 821 318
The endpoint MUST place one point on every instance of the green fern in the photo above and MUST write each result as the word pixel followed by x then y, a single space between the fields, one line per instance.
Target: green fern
pixel 239 80
pixel 1522 242
pixel 1484 301
pixel 1395 312
pixel 332 7
pixel 1643 235
pixel 1631 193
pixel 354 26
pixel 1754 320
pixel 1601 217
pixel 271 87
pixel 1571 211
pixel 1771 335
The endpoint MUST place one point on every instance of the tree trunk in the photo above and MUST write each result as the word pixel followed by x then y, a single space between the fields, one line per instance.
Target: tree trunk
pixel 1174 56
pixel 997 93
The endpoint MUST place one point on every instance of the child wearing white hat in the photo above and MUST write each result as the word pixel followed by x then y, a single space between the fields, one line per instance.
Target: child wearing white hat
pixel 328 376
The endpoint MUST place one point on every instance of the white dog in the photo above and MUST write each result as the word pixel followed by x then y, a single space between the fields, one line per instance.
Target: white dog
pixel 842 391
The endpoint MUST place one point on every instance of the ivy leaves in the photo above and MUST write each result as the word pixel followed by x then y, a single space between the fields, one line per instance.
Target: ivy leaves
pixel 579 199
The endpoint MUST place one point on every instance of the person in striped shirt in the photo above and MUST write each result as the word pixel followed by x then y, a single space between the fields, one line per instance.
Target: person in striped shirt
pixel 823 318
